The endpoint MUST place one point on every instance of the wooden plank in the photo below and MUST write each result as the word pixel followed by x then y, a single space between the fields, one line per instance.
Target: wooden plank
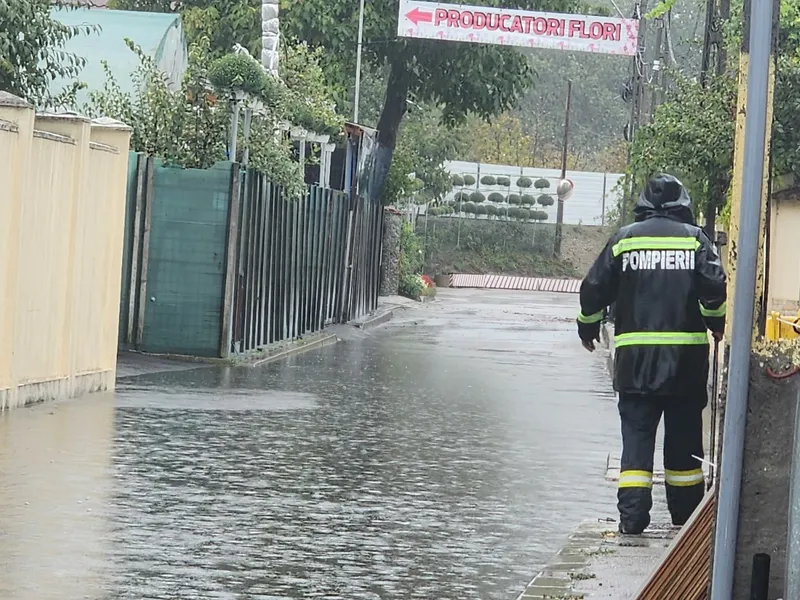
pixel 685 570
pixel 139 200
pixel 145 264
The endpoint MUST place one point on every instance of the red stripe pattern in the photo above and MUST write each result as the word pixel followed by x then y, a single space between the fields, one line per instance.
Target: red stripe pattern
pixel 507 282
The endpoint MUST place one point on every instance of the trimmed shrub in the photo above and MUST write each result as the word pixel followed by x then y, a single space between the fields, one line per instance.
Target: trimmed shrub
pixel 540 215
pixel 524 214
pixel 491 210
pixel 488 180
pixel 450 203
pixel 545 200
pixel 469 208
pixel 514 199
pixel 481 209
pixel 528 199
pixel 462 197
pixel 457 180
pixel 524 182
pixel 477 197
pixel 504 181
pixel 496 197
pixel 541 184
pixel 502 211
pixel 513 212
pixel 469 180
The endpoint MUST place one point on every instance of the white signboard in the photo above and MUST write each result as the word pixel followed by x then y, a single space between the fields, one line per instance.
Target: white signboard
pixel 505 26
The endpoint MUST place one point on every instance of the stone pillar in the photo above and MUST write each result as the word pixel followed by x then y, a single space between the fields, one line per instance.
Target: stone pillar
pixel 270 34
pixel 390 268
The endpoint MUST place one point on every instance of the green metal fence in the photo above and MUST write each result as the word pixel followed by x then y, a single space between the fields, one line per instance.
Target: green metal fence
pixel 219 262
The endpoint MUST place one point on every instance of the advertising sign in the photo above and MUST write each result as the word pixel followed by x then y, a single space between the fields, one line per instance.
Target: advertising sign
pixel 509 27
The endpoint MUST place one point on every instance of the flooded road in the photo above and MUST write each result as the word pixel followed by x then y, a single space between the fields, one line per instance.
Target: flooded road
pixel 444 456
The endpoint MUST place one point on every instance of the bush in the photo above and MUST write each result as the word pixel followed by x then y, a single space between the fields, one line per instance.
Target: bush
pixel 450 203
pixel 496 197
pixel 546 200
pixel 469 208
pixel 541 184
pixel 513 212
pixel 481 209
pixel 477 197
pixel 434 211
pixel 462 197
pixel 457 181
pixel 491 210
pixel 528 199
pixel 539 215
pixel 514 199
pixel 469 180
pixel 502 211
pixel 524 214
pixel 488 180
pixel 504 181
pixel 411 286
pixel 524 182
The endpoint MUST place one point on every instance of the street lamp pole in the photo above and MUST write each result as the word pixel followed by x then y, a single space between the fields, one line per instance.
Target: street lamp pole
pixel 358 60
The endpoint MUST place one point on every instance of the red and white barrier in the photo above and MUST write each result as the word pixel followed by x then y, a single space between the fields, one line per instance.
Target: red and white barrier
pixel 508 282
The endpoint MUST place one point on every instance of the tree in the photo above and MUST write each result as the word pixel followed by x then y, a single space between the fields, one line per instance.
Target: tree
pixel 32 54
pixel 462 78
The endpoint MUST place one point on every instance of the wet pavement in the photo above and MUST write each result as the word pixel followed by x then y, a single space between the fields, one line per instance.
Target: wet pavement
pixel 446 455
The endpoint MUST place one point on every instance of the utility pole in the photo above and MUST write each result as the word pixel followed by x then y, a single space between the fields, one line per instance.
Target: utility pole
pixel 746 270
pixel 358 61
pixel 560 211
pixel 636 100
pixel 658 56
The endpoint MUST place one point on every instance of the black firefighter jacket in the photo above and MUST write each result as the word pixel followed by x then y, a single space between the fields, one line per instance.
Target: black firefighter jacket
pixel 666 279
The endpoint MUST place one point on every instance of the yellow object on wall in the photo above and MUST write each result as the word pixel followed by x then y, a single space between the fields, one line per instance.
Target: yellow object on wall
pixel 782 327
pixel 62 211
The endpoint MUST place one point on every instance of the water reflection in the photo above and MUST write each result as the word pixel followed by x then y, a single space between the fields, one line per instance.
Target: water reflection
pixel 446 459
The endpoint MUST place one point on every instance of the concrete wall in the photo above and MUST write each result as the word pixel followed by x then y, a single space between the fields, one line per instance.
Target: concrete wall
pixel 784 268
pixel 62 206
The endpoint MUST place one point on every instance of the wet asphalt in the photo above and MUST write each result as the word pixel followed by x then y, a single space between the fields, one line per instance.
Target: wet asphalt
pixel 446 455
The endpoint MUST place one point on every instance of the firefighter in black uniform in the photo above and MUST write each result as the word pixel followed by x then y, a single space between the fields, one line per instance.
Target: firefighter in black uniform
pixel 669 287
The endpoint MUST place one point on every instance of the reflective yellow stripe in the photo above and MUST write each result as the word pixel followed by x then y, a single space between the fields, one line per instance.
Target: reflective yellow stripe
pixel 635 479
pixel 655 243
pixel 595 318
pixel 713 312
pixel 684 478
pixel 660 338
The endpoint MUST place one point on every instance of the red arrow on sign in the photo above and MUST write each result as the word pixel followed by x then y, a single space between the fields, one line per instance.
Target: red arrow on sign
pixel 417 16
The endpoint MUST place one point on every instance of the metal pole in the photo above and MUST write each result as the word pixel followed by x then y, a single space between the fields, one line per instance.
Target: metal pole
pixel 560 211
pixel 358 60
pixel 744 301
pixel 234 131
pixel 248 119
pixel 603 210
pixel 793 541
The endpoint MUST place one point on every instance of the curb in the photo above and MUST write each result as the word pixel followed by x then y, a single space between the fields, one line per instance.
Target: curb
pixel 297 347
pixel 374 321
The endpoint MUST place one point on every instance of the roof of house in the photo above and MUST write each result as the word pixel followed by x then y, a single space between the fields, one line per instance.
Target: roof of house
pixel 160 35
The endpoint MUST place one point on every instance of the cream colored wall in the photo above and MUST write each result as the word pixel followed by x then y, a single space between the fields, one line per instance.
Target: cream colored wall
pixel 784 258
pixel 61 236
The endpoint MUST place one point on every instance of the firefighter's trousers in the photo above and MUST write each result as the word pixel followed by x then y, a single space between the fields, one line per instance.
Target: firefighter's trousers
pixel 683 437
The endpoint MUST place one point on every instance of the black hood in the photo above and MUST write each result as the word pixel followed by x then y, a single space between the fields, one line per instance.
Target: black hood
pixel 664 196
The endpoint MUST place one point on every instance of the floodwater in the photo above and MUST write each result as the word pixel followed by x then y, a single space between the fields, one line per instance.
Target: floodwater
pixel 444 456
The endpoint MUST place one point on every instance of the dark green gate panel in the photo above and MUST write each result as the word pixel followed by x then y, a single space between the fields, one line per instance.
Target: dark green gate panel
pixel 127 255
pixel 186 263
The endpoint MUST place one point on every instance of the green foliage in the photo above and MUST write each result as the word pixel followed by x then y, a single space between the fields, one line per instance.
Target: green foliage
pixel 524 182
pixel 524 214
pixel 691 137
pixel 469 180
pixel 240 73
pixel 477 197
pixel 481 209
pixel 504 181
pixel 469 208
pixel 502 211
pixel 411 262
pixel 457 181
pixel 462 197
pixel 545 200
pixel 491 210
pixel 488 180
pixel 528 199
pixel 541 184
pixel 539 215
pixel 514 199
pixel 32 54
pixel 496 197
pixel 660 9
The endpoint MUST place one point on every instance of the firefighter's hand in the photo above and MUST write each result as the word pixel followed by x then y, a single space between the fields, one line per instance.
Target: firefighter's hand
pixel 588 345
pixel 718 335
